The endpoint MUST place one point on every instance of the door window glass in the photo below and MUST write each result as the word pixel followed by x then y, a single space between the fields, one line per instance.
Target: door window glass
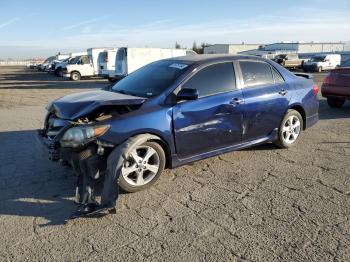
pixel 213 79
pixel 85 60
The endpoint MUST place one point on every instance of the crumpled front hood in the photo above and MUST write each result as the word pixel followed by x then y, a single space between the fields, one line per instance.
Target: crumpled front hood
pixel 80 104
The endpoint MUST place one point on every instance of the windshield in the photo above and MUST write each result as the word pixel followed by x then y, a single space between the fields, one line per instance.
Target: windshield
pixel 151 80
pixel 48 60
pixel 345 64
pixel 317 59
pixel 74 60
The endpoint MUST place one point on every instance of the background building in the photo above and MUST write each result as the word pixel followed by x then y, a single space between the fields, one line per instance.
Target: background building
pixel 306 47
pixel 283 47
pixel 230 48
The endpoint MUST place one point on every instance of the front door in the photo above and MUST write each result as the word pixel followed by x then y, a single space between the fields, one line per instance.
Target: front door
pixel 213 121
pixel 87 68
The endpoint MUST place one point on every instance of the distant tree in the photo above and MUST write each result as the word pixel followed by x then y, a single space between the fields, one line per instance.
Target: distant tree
pixel 199 49
pixel 177 45
pixel 195 47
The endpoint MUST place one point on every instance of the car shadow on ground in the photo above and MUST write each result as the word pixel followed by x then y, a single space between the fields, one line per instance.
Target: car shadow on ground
pixel 326 112
pixel 29 79
pixel 31 185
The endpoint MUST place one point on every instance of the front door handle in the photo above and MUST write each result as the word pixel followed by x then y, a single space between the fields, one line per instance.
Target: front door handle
pixel 236 101
pixel 283 92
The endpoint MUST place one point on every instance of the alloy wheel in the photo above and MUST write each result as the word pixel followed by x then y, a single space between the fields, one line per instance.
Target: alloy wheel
pixel 141 166
pixel 291 129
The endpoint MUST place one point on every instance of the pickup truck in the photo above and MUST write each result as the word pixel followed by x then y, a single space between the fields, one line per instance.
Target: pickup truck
pixel 289 60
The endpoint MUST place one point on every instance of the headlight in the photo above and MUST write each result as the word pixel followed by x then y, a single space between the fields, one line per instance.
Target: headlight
pixel 78 136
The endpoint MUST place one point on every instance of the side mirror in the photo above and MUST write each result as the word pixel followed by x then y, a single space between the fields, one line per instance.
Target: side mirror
pixel 187 94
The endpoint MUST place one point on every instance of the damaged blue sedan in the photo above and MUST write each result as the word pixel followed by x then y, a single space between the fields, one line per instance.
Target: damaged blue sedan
pixel 185 109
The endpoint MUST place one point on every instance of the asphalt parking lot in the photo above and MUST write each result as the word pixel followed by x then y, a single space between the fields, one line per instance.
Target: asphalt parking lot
pixel 261 204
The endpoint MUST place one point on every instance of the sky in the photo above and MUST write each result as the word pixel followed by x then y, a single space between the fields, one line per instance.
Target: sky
pixel 33 28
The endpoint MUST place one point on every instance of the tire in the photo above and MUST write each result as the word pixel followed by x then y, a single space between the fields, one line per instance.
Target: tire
pixel 335 102
pixel 75 76
pixel 58 71
pixel 288 134
pixel 112 80
pixel 128 180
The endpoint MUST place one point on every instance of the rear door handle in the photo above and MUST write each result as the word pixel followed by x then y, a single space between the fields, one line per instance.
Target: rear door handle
pixel 236 101
pixel 283 92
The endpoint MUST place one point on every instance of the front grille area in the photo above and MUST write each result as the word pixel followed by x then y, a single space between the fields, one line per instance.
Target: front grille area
pixel 54 126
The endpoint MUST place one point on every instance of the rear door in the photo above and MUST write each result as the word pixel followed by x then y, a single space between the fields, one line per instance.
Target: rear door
pixel 214 120
pixel 266 98
pixel 121 62
pixel 102 62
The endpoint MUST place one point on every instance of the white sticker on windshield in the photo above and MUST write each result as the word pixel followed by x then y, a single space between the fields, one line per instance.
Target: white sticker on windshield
pixel 179 66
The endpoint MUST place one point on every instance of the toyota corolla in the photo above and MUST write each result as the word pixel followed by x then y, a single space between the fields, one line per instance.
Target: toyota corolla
pixel 186 109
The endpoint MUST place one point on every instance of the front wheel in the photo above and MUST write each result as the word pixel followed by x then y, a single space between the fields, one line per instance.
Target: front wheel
pixel 142 168
pixel 289 129
pixel 75 76
pixel 58 71
pixel 335 102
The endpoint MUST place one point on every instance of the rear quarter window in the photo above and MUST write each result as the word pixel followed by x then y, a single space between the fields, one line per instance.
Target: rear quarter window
pixel 277 76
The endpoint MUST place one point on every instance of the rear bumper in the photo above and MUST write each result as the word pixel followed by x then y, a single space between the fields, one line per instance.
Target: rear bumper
pixel 311 120
pixel 335 92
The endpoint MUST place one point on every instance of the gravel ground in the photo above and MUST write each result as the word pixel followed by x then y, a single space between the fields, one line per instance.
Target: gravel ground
pixel 261 204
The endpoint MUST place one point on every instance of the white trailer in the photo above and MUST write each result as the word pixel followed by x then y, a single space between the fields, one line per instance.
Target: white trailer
pixel 130 59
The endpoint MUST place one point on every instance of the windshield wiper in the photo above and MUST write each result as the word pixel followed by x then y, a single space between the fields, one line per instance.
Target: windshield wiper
pixel 125 92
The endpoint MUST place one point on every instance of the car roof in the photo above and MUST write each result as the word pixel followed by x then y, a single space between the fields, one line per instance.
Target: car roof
pixel 210 58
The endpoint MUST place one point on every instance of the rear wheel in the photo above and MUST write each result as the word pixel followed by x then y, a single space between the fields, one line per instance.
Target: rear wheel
pixel 335 102
pixel 75 76
pixel 289 129
pixel 142 168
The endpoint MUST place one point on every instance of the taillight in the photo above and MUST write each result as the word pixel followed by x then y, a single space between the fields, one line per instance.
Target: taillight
pixel 315 89
pixel 106 57
pixel 327 79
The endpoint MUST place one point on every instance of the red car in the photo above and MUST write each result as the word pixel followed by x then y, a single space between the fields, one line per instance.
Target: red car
pixel 336 85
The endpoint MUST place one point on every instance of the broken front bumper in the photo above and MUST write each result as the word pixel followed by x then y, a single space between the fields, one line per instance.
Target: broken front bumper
pixel 47 146
pixel 88 157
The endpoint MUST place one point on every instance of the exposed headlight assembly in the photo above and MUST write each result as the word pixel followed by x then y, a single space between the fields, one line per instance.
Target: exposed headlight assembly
pixel 78 136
